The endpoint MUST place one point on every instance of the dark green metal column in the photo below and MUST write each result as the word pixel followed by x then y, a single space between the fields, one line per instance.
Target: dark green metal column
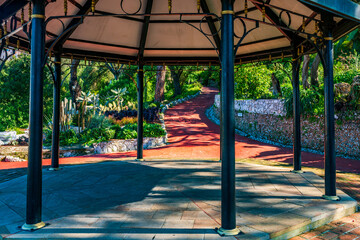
pixel 330 156
pixel 296 108
pixel 228 207
pixel 34 178
pixel 56 115
pixel 140 114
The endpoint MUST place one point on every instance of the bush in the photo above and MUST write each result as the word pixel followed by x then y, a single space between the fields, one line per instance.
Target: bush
pixel 311 102
pixel 67 138
pixel 153 130
pixel 14 93
pixel 96 135
pixel 124 121
pixel 99 121
pixel 252 82
pixel 150 114
pixel 129 131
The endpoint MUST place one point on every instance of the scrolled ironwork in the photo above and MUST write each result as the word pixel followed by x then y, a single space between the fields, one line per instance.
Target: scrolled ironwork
pixel 244 34
pixel 317 46
pixel 208 34
pixel 62 25
pixel 289 18
pixel 65 31
pixel 137 11
pixel 6 53
pixel 202 32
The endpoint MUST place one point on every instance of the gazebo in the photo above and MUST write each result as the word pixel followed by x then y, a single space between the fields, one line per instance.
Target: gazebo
pixel 202 32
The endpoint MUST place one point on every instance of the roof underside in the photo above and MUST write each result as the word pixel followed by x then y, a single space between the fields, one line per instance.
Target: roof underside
pixel 169 38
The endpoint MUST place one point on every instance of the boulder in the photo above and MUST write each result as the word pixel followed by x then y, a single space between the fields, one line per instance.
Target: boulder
pixel 8 136
pixel 355 91
pixel 13 159
pixel 356 79
pixel 23 140
pixel 342 89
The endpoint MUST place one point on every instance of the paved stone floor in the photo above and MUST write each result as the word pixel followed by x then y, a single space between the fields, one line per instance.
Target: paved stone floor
pixel 169 200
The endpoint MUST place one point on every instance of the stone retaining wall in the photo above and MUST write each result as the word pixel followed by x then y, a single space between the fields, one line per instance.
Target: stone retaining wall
pixel 121 145
pixel 264 106
pixel 279 129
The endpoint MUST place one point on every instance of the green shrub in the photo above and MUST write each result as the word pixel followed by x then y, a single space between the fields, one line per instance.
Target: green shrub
pixel 99 121
pixel 311 102
pixel 67 138
pixel 126 133
pixel 153 130
pixel 96 135
pixel 129 131
pixel 14 93
pixel 252 82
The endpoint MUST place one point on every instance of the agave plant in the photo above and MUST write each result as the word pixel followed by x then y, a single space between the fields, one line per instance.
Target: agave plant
pixel 118 96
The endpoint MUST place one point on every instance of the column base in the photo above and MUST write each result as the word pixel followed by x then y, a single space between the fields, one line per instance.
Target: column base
pixel 33 227
pixel 297 171
pixel 227 232
pixel 54 169
pixel 331 198
pixel 140 159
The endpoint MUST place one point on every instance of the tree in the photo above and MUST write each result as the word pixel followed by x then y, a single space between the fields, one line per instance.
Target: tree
pixel 176 73
pixel 160 83
pixel 14 93
pixel 276 85
pixel 314 81
pixel 74 86
pixel 116 70
pixel 305 71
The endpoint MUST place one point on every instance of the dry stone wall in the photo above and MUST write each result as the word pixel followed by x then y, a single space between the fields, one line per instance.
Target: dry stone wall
pixel 121 145
pixel 268 122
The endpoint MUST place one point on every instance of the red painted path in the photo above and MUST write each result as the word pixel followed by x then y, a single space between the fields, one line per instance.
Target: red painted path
pixel 192 135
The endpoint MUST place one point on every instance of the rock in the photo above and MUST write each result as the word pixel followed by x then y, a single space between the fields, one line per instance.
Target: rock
pixel 356 79
pixel 120 145
pixel 8 136
pixel 355 91
pixel 23 140
pixel 2 143
pixel 13 159
pixel 68 154
pixel 342 89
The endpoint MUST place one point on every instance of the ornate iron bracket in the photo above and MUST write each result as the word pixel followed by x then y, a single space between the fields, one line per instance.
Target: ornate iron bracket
pixel 245 33
pixel 318 47
pixel 65 31
pixel 207 35
pixel 5 55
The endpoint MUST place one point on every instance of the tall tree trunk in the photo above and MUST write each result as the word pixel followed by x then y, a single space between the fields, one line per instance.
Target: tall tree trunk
pixel 314 81
pixel 160 83
pixel 175 75
pixel 305 71
pixel 74 86
pixel 276 85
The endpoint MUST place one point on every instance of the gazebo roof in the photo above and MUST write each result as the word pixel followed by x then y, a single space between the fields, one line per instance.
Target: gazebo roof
pixel 112 35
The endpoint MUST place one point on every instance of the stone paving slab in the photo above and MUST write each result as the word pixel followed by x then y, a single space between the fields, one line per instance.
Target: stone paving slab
pixel 169 200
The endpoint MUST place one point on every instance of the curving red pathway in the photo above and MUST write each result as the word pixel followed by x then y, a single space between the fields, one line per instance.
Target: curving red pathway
pixel 192 135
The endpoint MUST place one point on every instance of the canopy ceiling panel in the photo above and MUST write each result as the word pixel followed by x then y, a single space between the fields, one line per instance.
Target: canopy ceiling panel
pixel 109 30
pixel 129 29
pixel 176 36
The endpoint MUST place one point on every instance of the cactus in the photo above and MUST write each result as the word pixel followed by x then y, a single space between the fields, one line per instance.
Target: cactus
pixel 67 112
